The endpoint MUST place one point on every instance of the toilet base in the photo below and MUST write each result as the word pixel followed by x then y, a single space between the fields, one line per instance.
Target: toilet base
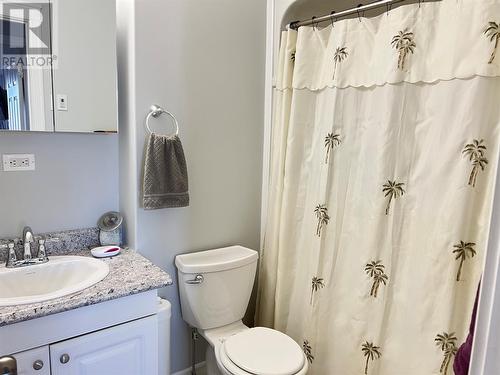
pixel 211 362
pixel 214 338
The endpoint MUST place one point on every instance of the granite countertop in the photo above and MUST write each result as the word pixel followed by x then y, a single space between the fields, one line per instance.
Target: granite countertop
pixel 129 273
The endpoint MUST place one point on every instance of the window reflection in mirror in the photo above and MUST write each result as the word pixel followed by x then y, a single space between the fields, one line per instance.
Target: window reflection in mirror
pixel 13 78
pixel 25 88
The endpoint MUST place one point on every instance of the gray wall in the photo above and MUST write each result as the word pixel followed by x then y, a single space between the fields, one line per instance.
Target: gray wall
pixel 203 61
pixel 76 180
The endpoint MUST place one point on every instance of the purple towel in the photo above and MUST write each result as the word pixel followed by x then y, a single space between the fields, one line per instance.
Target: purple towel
pixel 462 359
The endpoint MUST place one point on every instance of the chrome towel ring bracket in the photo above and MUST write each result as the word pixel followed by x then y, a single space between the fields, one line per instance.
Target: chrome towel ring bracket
pixel 156 111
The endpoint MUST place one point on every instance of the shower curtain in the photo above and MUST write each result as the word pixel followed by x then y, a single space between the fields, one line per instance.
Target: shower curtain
pixel 384 151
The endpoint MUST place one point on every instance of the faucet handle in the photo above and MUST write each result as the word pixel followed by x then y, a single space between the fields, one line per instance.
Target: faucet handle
pixel 42 254
pixel 11 257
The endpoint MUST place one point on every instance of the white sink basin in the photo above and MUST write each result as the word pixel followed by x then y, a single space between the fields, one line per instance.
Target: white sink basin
pixel 60 276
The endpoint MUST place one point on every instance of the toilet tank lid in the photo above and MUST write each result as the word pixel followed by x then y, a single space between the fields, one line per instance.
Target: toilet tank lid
pixel 215 260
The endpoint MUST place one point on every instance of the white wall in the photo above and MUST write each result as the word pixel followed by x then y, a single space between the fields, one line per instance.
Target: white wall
pixel 76 180
pixel 485 359
pixel 203 61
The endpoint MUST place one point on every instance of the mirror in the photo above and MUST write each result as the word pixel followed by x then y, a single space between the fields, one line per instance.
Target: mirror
pixel 59 70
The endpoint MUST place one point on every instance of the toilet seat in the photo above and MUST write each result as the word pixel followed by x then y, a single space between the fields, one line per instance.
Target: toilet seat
pixel 261 351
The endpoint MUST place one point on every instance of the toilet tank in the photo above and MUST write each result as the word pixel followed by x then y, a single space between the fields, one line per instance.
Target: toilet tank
pixel 215 285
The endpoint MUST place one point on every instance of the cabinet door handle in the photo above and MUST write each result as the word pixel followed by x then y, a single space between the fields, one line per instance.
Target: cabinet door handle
pixel 38 364
pixel 8 365
pixel 198 279
pixel 64 358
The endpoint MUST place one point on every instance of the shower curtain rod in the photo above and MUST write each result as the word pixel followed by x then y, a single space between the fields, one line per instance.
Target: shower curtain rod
pixel 360 8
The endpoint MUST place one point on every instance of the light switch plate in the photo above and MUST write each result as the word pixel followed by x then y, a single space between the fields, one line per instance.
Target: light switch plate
pixel 62 102
pixel 18 162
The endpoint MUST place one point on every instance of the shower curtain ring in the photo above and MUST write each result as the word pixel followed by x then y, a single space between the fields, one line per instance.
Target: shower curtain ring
pixel 359 16
pixel 332 19
pixel 314 24
pixel 389 6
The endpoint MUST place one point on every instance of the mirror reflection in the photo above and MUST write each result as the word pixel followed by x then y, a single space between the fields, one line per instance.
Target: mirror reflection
pixel 53 76
pixel 24 92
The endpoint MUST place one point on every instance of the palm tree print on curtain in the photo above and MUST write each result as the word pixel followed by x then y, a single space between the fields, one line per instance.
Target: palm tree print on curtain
pixel 371 352
pixel 492 32
pixel 322 215
pixel 292 57
pixel 331 141
pixel 339 56
pixel 476 153
pixel 393 190
pixel 403 42
pixel 447 343
pixel 306 347
pixel 376 271
pixel 463 250
pixel 316 284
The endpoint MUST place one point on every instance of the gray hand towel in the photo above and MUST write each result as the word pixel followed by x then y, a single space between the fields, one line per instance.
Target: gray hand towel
pixel 164 176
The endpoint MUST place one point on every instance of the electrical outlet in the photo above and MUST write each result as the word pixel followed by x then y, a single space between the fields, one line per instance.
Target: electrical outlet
pixel 18 162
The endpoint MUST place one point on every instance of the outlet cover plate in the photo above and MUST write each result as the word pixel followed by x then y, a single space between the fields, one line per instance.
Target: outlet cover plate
pixel 18 162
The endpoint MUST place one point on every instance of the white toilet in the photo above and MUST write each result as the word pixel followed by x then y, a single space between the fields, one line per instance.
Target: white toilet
pixel 215 287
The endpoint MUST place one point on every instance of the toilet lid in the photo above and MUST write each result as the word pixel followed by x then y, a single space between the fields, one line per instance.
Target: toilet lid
pixel 264 351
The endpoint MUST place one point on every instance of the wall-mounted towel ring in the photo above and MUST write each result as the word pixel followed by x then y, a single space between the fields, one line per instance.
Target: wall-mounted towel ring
pixel 156 111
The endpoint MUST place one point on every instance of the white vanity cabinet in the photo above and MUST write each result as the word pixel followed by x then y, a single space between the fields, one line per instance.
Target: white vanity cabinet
pixel 116 337
pixel 128 348
pixel 124 349
pixel 33 362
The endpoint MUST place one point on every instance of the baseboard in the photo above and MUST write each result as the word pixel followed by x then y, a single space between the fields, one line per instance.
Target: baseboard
pixel 200 370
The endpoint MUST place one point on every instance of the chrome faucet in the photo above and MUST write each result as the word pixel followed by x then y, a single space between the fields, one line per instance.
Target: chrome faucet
pixel 28 239
pixel 28 258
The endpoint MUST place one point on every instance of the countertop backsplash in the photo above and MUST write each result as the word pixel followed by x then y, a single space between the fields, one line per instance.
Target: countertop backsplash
pixel 57 243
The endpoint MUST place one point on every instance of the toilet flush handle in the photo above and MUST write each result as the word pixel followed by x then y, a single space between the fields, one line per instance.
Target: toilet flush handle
pixel 198 279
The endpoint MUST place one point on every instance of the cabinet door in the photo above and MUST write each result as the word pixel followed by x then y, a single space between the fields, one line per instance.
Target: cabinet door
pixel 127 349
pixel 33 362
